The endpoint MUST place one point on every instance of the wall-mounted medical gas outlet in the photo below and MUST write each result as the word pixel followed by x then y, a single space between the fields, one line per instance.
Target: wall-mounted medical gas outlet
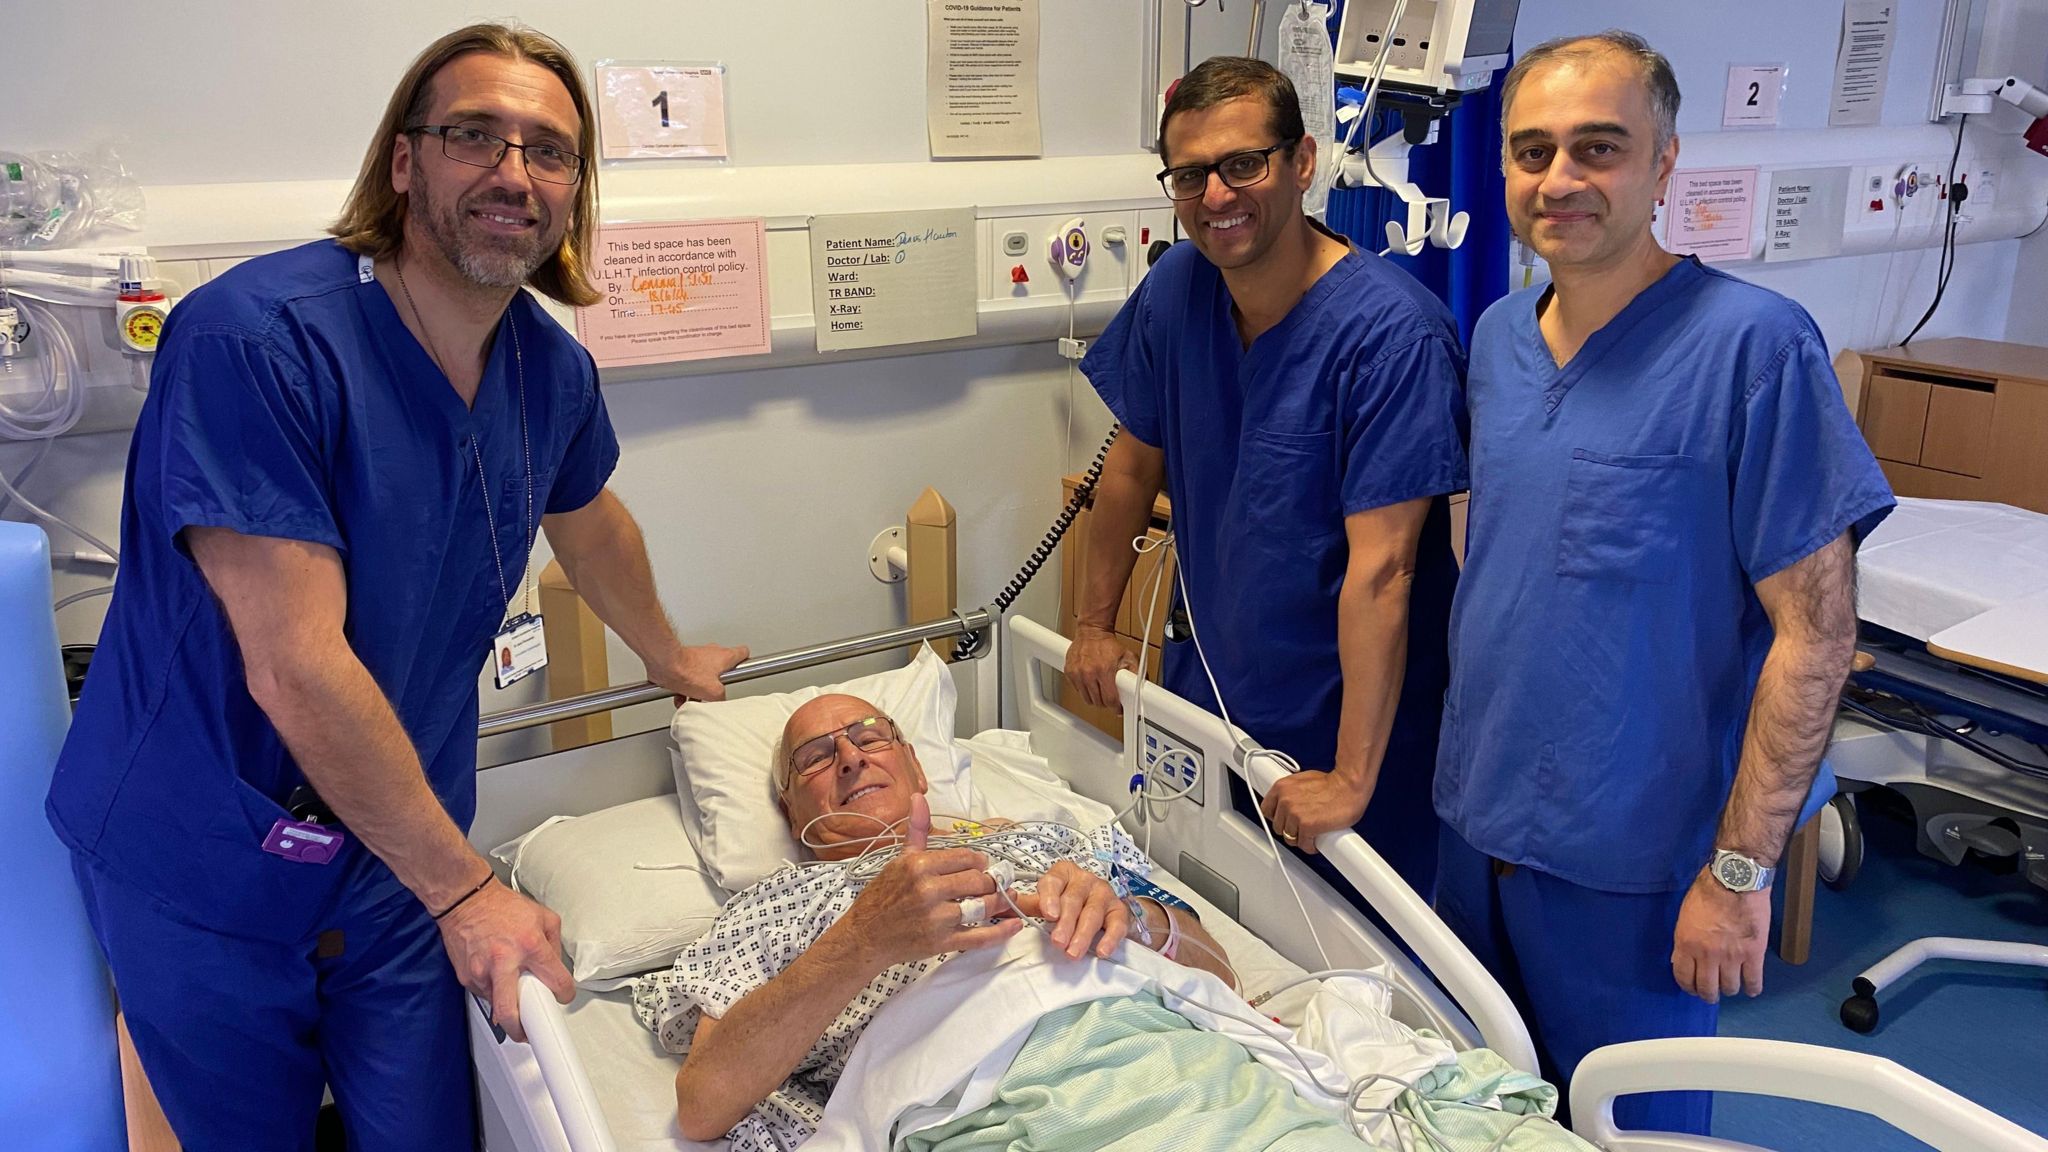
pixel 140 309
pixel 1107 269
pixel 1172 762
pixel 1016 243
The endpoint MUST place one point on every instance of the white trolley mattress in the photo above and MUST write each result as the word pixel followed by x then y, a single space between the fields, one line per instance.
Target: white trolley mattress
pixel 1934 564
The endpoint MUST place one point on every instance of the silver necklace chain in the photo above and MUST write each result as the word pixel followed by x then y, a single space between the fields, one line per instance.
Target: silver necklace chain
pixel 476 453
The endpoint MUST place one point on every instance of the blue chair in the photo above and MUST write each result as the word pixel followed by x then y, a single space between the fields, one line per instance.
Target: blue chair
pixel 60 1074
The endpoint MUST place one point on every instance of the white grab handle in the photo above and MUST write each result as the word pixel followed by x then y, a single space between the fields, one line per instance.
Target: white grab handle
pixel 1872 1085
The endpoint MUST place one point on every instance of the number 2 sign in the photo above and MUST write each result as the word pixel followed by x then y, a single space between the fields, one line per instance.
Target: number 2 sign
pixel 671 111
pixel 1754 93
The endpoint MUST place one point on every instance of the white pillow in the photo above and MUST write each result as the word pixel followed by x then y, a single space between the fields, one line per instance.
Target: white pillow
pixel 1012 782
pixel 724 751
pixel 626 883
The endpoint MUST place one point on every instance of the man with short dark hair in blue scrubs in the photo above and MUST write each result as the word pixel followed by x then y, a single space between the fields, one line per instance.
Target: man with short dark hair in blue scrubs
pixel 1303 403
pixel 1657 611
pixel 333 493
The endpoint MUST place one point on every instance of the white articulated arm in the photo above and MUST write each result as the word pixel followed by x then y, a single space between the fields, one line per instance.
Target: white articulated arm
pixel 1872 1085
pixel 2024 96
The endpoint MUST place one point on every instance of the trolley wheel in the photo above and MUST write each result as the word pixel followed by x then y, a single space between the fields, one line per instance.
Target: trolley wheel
pixel 1859 1014
pixel 1841 842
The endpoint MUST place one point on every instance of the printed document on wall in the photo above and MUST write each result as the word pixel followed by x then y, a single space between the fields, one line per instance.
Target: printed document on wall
pixel 1862 63
pixel 1711 212
pixel 688 290
pixel 882 278
pixel 981 78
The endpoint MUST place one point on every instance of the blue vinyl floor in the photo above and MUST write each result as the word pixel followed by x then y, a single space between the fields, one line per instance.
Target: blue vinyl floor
pixel 1978 1029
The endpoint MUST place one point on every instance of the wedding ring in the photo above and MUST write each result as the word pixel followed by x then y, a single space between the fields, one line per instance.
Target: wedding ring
pixel 973 911
pixel 1287 836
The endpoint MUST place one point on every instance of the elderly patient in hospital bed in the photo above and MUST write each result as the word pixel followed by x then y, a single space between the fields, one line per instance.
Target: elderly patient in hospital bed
pixel 1077 1007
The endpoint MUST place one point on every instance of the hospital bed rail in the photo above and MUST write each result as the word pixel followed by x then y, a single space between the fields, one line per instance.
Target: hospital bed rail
pixel 1038 652
pixel 1906 1100
pixel 969 623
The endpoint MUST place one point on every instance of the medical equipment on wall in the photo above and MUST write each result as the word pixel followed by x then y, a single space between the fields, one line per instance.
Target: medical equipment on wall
pixel 1421 56
pixel 1975 97
pixel 42 374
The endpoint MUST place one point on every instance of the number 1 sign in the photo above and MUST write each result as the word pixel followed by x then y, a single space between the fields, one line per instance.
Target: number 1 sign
pixel 665 111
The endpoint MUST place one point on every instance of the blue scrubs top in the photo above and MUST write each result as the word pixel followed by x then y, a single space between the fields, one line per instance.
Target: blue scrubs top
pixel 1607 637
pixel 1354 401
pixel 289 400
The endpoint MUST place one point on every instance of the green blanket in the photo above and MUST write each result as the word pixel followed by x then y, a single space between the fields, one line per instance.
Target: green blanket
pixel 1127 1074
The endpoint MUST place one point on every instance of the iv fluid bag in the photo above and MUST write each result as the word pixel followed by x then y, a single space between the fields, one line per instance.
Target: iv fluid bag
pixel 1306 58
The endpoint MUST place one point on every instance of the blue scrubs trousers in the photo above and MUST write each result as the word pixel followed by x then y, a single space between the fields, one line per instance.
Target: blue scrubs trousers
pixel 1586 968
pixel 239 1036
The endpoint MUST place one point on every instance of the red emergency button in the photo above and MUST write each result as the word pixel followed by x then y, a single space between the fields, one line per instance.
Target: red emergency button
pixel 1144 237
pixel 1877 205
pixel 1019 276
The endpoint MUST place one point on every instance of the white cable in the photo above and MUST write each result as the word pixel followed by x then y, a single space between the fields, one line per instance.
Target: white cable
pixel 49 517
pixel 27 470
pixel 75 597
pixel 1241 737
pixel 56 409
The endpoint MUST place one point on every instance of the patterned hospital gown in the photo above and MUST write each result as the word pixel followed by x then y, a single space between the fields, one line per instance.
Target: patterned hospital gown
pixel 763 929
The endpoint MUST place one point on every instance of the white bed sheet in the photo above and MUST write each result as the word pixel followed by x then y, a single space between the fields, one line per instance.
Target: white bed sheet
pixel 1935 563
pixel 635 1080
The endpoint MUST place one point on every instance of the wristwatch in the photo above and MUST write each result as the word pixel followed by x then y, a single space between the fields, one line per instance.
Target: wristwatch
pixel 1739 873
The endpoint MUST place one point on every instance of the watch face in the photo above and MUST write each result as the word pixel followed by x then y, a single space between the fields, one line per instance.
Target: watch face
pixel 1737 873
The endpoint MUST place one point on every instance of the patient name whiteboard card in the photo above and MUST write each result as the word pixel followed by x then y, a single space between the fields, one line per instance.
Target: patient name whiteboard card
pixel 661 111
pixel 883 278
pixel 686 290
pixel 1711 212
pixel 981 78
pixel 1807 209
pixel 1863 62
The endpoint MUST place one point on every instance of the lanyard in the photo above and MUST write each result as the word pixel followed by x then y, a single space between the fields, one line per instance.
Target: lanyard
pixel 484 482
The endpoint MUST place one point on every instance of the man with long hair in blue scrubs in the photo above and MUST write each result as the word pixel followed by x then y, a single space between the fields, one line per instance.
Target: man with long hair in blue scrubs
pixel 1657 611
pixel 1302 402
pixel 333 494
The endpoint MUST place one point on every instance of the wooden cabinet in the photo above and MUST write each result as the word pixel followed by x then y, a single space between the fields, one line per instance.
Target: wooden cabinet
pixel 1131 614
pixel 1960 419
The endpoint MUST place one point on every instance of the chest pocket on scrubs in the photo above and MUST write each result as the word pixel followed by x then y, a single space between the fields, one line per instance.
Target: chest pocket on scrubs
pixel 1622 516
pixel 1288 484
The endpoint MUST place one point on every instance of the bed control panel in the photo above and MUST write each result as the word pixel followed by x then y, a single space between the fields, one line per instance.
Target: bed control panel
pixel 1173 764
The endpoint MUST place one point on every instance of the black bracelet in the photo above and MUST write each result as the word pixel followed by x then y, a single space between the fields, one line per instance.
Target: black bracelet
pixel 485 883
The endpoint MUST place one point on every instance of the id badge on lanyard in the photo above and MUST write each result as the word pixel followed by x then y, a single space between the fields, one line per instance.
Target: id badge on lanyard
pixel 520 650
pixel 520 647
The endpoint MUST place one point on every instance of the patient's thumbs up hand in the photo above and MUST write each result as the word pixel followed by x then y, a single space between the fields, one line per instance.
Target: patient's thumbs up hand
pixel 919 831
pixel 926 902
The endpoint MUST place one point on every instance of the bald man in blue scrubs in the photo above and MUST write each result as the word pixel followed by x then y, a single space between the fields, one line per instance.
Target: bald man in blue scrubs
pixel 1303 403
pixel 332 499
pixel 1657 610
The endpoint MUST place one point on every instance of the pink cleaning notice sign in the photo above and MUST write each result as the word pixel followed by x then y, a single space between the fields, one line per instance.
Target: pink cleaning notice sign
pixel 682 290
pixel 1711 212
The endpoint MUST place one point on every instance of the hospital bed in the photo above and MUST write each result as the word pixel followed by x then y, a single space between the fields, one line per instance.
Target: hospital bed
pixel 1949 705
pixel 590 1079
